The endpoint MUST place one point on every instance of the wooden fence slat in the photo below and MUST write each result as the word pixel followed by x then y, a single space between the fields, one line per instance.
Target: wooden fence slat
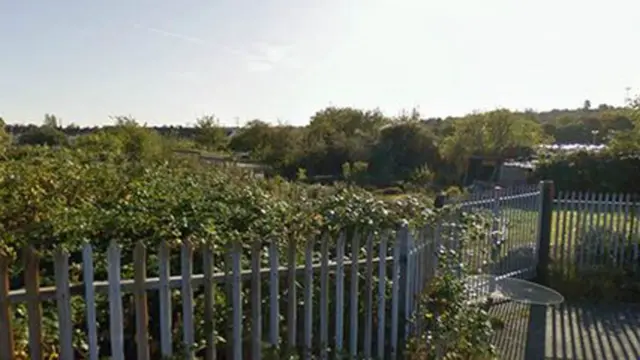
pixel 606 211
pixel 619 225
pixel 593 223
pixel 186 264
pixel 90 300
pixel 580 224
pixel 292 305
pixel 6 328
pixel 368 305
pixel 621 230
pixel 209 302
pixel 229 292
pixel 308 299
pixel 324 296
pixel 256 302
pixel 557 233
pixel 564 237
pixel 600 221
pixel 406 291
pixel 382 290
pixel 236 300
pixel 570 230
pixel 611 246
pixel 140 298
pixel 395 290
pixel 274 296
pixel 63 301
pixel 626 231
pixel 164 297
pixel 340 291
pixel 115 302
pixel 34 308
pixel 353 293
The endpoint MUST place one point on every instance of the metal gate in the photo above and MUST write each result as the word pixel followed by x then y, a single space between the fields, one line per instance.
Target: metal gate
pixel 516 213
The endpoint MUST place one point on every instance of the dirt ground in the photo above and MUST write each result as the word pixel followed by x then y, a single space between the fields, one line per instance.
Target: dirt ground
pixel 569 331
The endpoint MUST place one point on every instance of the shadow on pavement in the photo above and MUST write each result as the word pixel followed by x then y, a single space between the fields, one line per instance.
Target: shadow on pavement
pixel 569 331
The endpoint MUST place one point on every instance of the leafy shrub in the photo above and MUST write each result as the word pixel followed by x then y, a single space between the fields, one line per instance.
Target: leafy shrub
pixel 451 325
pixel 453 192
pixel 588 171
pixel 122 184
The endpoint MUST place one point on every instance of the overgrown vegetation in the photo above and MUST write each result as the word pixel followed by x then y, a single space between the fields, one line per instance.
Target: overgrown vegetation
pixel 408 150
pixel 450 325
pixel 123 184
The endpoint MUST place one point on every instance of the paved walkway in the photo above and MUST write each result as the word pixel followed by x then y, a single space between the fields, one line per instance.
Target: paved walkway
pixel 570 331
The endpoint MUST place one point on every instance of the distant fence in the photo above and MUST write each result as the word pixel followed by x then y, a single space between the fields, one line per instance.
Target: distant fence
pixel 594 231
pixel 353 295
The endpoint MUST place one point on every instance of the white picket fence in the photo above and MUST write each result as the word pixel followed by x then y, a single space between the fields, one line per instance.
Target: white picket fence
pixel 358 293
pixel 403 264
pixel 593 230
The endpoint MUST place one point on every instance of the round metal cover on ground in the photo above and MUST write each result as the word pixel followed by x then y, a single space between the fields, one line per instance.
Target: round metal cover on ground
pixel 513 289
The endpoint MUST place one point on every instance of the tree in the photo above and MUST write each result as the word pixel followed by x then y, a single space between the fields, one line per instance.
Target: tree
pixel 5 138
pixel 127 139
pixel 628 141
pixel 254 138
pixel 340 135
pixel 43 135
pixel 209 134
pixel 500 134
pixel 586 105
pixel 51 121
pixel 403 148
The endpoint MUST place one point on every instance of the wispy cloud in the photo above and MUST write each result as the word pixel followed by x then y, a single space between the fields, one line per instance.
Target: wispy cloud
pixel 171 34
pixel 187 38
pixel 261 57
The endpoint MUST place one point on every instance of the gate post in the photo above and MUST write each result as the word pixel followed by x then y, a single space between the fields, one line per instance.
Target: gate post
pixel 545 213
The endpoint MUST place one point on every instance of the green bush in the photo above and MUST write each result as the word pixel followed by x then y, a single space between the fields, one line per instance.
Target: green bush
pixel 590 171
pixel 451 325
pixel 123 185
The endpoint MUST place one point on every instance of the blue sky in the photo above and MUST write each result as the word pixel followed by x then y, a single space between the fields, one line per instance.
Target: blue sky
pixel 168 62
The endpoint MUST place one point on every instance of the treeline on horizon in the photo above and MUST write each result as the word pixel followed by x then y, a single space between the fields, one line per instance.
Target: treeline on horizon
pixel 566 126
pixel 369 148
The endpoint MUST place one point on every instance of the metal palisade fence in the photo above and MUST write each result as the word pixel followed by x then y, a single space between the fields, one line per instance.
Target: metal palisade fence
pixel 353 294
pixel 595 230
pixel 516 231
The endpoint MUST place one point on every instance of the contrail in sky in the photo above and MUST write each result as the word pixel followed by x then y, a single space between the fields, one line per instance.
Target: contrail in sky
pixel 268 55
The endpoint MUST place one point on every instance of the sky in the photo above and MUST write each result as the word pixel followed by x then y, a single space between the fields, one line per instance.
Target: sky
pixel 170 62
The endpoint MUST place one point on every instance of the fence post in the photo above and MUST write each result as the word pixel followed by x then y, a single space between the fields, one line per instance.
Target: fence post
pixel 544 231
pixel 440 200
pixel 403 289
pixel 6 335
